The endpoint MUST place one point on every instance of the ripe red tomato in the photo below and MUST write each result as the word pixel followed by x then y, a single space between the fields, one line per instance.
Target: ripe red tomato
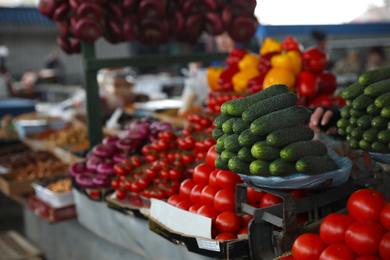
pixel 120 194
pixel 228 179
pixel 201 173
pixel 269 199
pixel 224 200
pixel 384 217
pixel 253 196
pixel 245 219
pixel 115 183
pixel 208 194
pixel 308 246
pixel 196 193
pixel 368 257
pixel 384 246
pixel 208 211
pixel 211 156
pixel 184 204
pixel 225 236
pixel 298 194
pixel 175 173
pixel 337 252
pixel 366 204
pixel 333 226
pixel 242 231
pixel 213 177
pixel 195 207
pixel 363 237
pixel 186 188
pixel 188 158
pixel 228 221
pixel 174 199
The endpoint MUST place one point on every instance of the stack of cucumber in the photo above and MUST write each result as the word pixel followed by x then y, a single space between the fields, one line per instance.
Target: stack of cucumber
pixel 265 134
pixel 366 116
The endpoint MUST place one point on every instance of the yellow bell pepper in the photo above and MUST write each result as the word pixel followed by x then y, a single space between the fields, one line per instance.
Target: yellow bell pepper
pixel 249 61
pixel 279 76
pixel 241 78
pixel 290 60
pixel 270 45
pixel 213 74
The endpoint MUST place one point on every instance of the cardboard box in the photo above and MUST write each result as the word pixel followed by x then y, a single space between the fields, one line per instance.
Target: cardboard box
pixel 14 187
pixel 132 205
pixel 47 212
pixel 171 223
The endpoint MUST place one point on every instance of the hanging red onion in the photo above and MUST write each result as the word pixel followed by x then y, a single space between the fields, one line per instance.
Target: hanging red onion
pixel 110 140
pixel 101 181
pixel 85 181
pixel 159 126
pixel 120 156
pixel 92 163
pixel 103 150
pixel 106 168
pixel 129 145
pixel 78 168
pixel 139 131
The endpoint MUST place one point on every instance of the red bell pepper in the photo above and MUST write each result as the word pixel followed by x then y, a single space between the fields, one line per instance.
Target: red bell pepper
pixel 290 43
pixel 235 56
pixel 265 62
pixel 307 85
pixel 225 79
pixel 321 101
pixel 327 83
pixel 256 84
pixel 314 60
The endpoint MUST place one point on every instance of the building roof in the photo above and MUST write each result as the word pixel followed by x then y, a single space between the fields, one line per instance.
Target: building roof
pixel 22 15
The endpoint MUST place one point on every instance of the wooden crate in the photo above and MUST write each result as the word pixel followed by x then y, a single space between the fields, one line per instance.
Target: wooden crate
pixel 14 246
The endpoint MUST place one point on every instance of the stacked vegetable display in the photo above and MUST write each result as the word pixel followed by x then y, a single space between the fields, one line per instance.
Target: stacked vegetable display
pixel 362 234
pixel 148 21
pixel 265 134
pixel 366 118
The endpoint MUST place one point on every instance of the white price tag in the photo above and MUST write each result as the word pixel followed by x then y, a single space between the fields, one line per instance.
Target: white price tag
pixel 208 244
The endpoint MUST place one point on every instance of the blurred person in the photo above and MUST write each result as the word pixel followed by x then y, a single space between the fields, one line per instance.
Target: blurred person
pixel 351 64
pixel 321 41
pixel 53 71
pixel 376 58
pixel 324 119
pixel 4 52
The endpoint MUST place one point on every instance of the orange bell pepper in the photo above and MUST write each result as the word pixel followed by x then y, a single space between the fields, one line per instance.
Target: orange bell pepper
pixel 290 60
pixel 240 79
pixel 279 76
pixel 213 74
pixel 270 45
pixel 249 61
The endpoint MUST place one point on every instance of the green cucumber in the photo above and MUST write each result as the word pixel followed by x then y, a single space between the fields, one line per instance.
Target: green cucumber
pixel 231 143
pixel 345 112
pixel 350 128
pixel 288 117
pixel 356 112
pixel 362 102
pixel 236 107
pixel 373 110
pixel 378 88
pixel 316 164
pixel 219 149
pixel 342 122
pixel 348 103
pixel 259 167
pixel 269 105
pixel 221 164
pixel 245 154
pixel 385 112
pixel 370 135
pixel 281 167
pixel 263 151
pixel 217 133
pixel 384 136
pixel 365 145
pixel 388 125
pixel 379 123
pixel 373 76
pixel 297 150
pixel 221 141
pixel 383 100
pixel 239 126
pixel 224 110
pixel 364 121
pixel 357 133
pixel 341 131
pixel 353 91
pixel 227 126
pixel 354 143
pixel 379 147
pixel 353 120
pixel 220 120
pixel 284 136
pixel 247 138
pixel 226 155
pixel 238 166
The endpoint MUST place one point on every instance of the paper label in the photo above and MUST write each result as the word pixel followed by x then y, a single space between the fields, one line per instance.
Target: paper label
pixel 208 244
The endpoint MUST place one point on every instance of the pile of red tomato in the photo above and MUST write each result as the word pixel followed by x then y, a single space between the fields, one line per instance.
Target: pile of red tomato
pixel 216 99
pixel 363 234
